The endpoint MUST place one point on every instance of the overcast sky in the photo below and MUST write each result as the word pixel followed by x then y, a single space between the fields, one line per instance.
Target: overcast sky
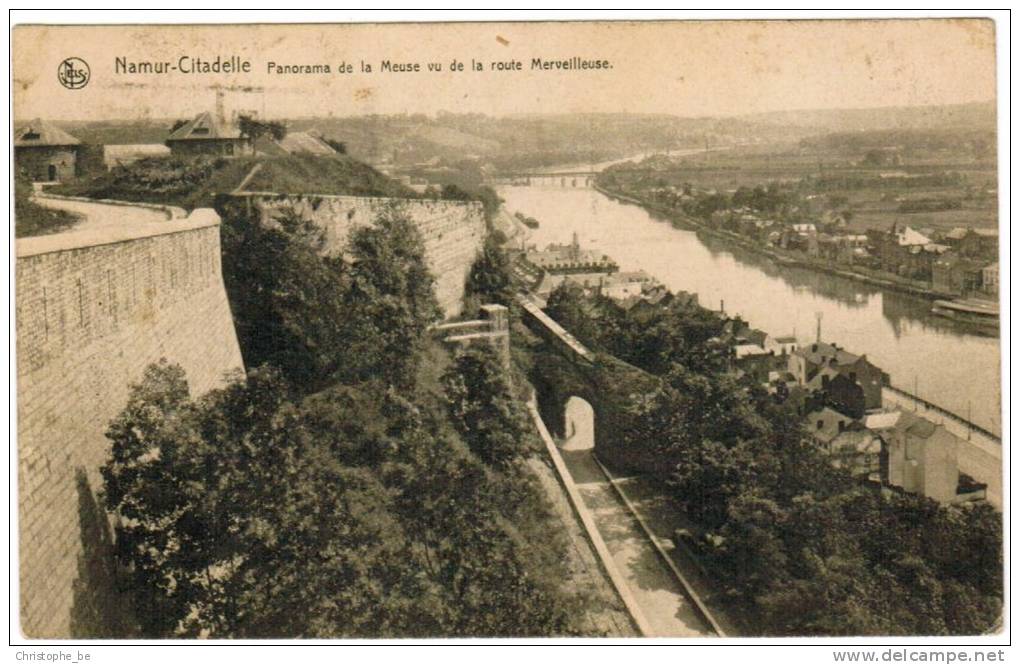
pixel 686 69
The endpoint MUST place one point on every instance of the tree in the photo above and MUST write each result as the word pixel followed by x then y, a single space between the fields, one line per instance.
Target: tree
pixel 147 486
pixel 482 407
pixel 237 521
pixel 320 318
pixel 569 307
pixel 390 301
pixel 484 194
pixel 489 279
pixel 288 300
pixel 254 129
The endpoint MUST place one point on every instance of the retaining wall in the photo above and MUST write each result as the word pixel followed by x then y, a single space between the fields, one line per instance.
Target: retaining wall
pixel 93 310
pixel 453 231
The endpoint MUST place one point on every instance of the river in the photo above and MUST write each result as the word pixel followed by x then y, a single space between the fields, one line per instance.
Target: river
pixel 923 354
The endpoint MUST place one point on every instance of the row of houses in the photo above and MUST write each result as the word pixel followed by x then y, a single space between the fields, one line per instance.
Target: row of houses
pixel 960 261
pixel 840 393
pixel 896 449
pixel 46 153
pixel 540 272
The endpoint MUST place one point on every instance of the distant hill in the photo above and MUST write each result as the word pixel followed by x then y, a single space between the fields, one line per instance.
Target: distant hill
pixel 528 140
pixel 979 115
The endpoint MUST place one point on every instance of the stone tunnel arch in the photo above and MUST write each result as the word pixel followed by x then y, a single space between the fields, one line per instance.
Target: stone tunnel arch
pixel 606 392
pixel 579 423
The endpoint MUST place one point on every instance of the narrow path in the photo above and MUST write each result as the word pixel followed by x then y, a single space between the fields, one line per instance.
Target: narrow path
pixel 662 599
pixel 96 216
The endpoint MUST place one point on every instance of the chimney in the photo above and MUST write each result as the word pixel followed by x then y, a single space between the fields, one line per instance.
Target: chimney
pixel 818 327
pixel 221 117
pixel 722 306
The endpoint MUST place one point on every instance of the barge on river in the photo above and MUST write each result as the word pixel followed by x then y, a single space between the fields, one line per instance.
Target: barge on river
pixel 975 311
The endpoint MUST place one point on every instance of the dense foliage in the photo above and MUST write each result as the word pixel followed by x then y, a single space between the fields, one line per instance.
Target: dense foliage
pixel 194 182
pixel 801 546
pixel 365 486
pixel 32 219
pixel 483 409
pixel 484 194
pixel 253 128
pixel 319 318
pixel 490 280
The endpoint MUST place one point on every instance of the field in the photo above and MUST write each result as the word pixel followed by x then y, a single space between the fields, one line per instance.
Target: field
pixel 876 194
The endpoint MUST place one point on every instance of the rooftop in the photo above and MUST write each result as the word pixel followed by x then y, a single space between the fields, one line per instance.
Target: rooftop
pixel 204 127
pixel 819 353
pixel 827 423
pixel 909 237
pixel 40 133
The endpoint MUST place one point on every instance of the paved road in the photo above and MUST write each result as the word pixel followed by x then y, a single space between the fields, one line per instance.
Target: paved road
pixel 661 597
pixel 103 216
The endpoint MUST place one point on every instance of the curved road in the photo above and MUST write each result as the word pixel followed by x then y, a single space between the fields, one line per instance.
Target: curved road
pixel 96 216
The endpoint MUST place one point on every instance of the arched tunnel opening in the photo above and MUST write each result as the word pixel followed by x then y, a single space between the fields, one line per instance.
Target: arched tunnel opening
pixel 579 424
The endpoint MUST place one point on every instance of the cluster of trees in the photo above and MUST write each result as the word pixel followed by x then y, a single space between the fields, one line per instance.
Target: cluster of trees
pixel 490 279
pixel 358 482
pixel 852 181
pixel 929 204
pixel 799 544
pixel 968 143
pixel 253 128
pixel 484 194
pixel 32 219
pixel 323 319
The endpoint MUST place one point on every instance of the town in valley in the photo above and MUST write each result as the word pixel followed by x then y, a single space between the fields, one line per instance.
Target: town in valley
pixel 290 372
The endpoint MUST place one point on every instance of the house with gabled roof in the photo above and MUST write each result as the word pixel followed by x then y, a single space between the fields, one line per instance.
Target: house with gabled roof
pixel 44 153
pixel 816 365
pixel 204 135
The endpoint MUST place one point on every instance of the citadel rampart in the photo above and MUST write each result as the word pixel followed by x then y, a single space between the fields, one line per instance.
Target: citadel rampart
pixel 93 309
pixel 453 231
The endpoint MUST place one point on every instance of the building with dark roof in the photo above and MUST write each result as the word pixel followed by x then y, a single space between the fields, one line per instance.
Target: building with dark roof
pixel 45 153
pixel 568 259
pixel 205 135
pixel 814 365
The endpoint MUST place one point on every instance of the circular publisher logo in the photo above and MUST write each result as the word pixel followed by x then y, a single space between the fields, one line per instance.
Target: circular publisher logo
pixel 73 73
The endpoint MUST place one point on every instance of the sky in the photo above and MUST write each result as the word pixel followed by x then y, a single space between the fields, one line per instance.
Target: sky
pixel 706 68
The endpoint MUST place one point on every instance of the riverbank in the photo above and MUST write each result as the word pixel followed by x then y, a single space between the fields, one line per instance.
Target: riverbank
pixel 779 256
pixel 785 257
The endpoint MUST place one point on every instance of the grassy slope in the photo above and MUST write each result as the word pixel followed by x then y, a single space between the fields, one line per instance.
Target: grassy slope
pixel 32 219
pixel 194 183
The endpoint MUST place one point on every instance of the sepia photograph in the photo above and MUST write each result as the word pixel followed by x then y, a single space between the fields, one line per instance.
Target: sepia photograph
pixel 517 331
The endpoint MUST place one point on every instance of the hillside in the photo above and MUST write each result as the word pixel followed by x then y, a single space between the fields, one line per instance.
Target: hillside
pixel 977 116
pixel 194 183
pixel 32 219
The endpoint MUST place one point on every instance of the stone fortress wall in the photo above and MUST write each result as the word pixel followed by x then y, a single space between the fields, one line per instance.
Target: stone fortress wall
pixel 453 231
pixel 94 308
pixel 92 312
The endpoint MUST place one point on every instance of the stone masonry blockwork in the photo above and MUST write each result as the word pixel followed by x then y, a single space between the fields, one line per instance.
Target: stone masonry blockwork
pixel 90 318
pixel 453 231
